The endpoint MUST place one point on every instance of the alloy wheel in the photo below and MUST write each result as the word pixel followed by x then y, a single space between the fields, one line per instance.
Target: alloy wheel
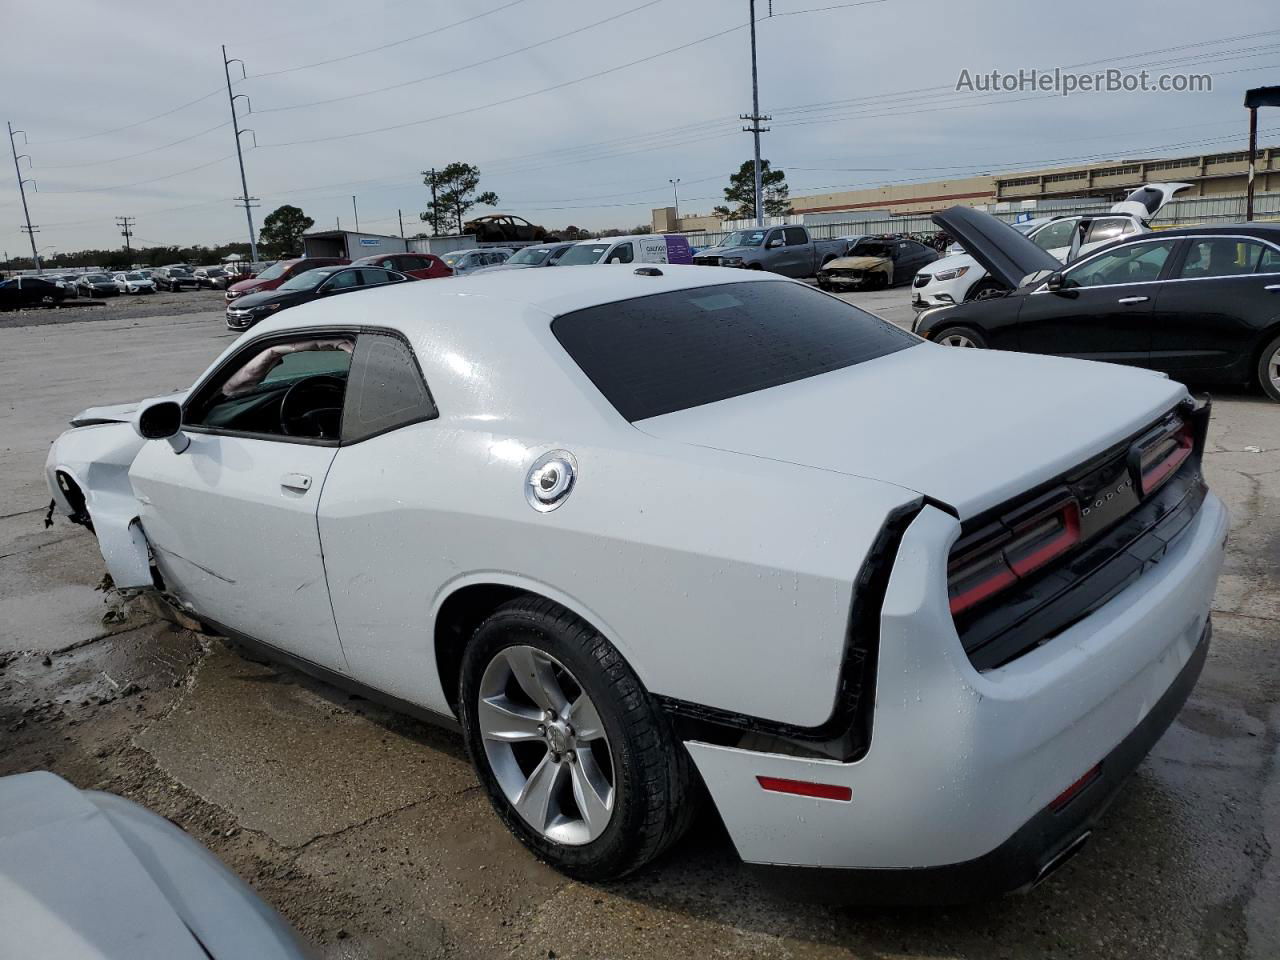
pixel 546 745
pixel 1273 368
pixel 956 340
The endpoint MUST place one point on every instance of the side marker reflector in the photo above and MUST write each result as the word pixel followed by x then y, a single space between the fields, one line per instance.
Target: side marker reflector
pixel 806 788
pixel 1069 794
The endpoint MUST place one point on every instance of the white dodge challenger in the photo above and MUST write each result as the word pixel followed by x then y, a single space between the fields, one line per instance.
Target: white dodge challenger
pixel 902 612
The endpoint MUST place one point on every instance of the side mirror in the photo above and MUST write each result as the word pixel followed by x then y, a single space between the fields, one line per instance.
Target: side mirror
pixel 161 420
pixel 775 242
pixel 1054 283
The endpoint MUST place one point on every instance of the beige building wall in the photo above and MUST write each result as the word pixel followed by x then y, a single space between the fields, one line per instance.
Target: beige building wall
pixel 902 198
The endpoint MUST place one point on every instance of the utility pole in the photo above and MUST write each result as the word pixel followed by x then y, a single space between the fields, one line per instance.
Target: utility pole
pixel 675 192
pixel 29 230
pixel 401 216
pixel 435 221
pixel 126 223
pixel 235 127
pixel 356 211
pixel 756 119
pixel 1253 99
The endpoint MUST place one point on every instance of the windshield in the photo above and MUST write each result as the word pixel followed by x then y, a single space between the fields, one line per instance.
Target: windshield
pixel 744 238
pixel 134 276
pixel 871 248
pixel 531 255
pixel 584 253
pixel 272 272
pixel 97 278
pixel 215 272
pixel 308 279
pixel 670 351
pixel 180 271
pixel 452 259
pixel 1025 227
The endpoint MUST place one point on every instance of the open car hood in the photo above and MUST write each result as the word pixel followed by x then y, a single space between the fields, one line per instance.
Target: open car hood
pixel 1148 200
pixel 1003 252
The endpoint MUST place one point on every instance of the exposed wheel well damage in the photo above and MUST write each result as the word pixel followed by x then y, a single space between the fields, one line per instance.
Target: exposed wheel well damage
pixel 75 499
pixel 457 620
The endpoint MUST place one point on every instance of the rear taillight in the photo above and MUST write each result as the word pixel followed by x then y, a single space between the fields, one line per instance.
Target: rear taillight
pixel 1161 452
pixel 996 562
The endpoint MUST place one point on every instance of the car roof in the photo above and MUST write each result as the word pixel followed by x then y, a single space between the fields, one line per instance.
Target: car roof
pixel 608 240
pixel 1263 231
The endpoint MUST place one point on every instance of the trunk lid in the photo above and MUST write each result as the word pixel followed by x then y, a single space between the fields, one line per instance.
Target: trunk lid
pixel 969 428
pixel 1148 200
pixel 1003 252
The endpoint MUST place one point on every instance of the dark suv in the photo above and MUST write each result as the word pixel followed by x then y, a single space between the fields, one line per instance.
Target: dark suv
pixel 173 278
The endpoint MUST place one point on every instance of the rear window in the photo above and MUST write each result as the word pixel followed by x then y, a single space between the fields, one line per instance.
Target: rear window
pixel 672 351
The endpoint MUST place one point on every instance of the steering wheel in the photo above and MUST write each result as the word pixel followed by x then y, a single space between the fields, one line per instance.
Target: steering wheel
pixel 312 407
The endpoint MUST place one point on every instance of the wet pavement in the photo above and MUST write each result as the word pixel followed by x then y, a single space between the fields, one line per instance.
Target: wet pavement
pixel 370 833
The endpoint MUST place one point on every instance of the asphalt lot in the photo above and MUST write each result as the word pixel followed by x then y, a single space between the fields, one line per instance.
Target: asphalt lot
pixel 370 833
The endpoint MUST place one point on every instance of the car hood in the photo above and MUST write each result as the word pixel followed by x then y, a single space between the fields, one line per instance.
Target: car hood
pixel 251 300
pixel 855 263
pixel 506 266
pixel 969 428
pixel 1001 250
pixel 88 875
pixel 246 286
pixel 1148 200
pixel 118 412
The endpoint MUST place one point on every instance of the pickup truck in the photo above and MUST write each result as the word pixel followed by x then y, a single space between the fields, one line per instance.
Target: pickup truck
pixel 789 251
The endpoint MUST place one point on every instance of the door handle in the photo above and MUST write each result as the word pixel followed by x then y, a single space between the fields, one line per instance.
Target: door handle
pixel 296 481
pixel 1133 300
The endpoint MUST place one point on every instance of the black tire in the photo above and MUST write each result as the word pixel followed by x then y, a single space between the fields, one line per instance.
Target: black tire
pixel 985 289
pixel 957 332
pixel 754 266
pixel 654 800
pixel 1270 356
pixel 823 285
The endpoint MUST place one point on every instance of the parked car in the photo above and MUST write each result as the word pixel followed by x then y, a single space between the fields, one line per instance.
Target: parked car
pixel 543 255
pixel 89 874
pixel 134 282
pixel 173 279
pixel 468 261
pixel 18 292
pixel 215 278
pixel 959 278
pixel 305 287
pixel 790 251
pixel 1201 304
pixel 420 266
pixel 279 272
pixel 638 248
pixel 69 282
pixel 874 263
pixel 920 655
pixel 98 285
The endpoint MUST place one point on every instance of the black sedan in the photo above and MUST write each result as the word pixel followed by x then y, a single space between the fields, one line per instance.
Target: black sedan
pixel 98 285
pixel 310 285
pixel 18 292
pixel 1201 304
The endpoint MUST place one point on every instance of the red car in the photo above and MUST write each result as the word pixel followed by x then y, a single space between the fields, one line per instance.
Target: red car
pixel 423 266
pixel 278 273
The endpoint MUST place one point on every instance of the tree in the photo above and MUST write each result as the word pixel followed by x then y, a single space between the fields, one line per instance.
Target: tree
pixel 453 193
pixel 741 193
pixel 282 231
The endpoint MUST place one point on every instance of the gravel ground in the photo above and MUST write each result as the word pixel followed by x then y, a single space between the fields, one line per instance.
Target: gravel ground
pixel 135 307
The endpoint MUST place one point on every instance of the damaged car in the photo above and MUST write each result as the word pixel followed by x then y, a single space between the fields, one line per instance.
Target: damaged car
pixel 959 277
pixel 1196 303
pixel 621 528
pixel 874 263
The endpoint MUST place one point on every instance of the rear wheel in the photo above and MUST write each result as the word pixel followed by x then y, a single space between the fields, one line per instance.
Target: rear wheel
pixel 1269 369
pixel 959 337
pixel 577 759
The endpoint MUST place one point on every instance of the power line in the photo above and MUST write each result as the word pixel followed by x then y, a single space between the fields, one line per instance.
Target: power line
pixel 386 46
pixel 131 156
pixel 143 183
pixel 469 66
pixel 129 126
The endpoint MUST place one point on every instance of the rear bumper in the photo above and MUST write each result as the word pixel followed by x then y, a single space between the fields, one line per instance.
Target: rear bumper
pixel 962 763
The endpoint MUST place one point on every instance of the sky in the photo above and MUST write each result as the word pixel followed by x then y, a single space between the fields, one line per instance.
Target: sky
pixel 576 112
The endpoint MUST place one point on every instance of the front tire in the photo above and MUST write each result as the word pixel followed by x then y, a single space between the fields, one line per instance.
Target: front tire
pixel 1269 369
pixel 959 337
pixel 985 289
pixel 578 761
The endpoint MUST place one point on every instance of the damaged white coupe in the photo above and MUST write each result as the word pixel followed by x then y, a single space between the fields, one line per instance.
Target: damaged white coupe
pixel 654 535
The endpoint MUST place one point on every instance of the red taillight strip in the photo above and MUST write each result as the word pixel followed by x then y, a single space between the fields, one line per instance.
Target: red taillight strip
pixel 1069 794
pixel 1064 541
pixel 1162 471
pixel 806 788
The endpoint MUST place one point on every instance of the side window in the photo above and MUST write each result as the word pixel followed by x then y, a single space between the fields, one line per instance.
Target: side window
pixel 342 281
pixel 796 237
pixel 1133 263
pixel 373 277
pixel 622 253
pixel 386 388
pixel 774 236
pixel 1270 261
pixel 1107 228
pixel 293 388
pixel 1220 257
pixel 1053 236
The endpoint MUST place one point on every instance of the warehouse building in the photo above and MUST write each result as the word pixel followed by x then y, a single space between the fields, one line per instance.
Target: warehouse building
pixel 1210 175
